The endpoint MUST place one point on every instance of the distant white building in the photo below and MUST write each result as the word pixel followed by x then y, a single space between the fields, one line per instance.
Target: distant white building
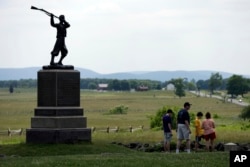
pixel 102 86
pixel 170 87
pixel 142 88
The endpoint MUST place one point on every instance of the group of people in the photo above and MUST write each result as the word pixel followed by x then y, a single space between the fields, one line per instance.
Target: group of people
pixel 204 129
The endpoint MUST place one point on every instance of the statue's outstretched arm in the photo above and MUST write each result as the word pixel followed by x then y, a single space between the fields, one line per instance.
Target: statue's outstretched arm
pixel 52 23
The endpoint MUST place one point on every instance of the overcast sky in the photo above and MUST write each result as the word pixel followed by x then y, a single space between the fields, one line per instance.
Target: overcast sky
pixel 110 36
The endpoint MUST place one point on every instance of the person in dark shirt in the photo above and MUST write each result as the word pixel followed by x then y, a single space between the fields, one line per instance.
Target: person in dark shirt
pixel 60 42
pixel 183 127
pixel 167 128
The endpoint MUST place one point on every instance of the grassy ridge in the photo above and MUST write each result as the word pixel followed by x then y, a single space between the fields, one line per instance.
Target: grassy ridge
pixel 17 109
pixel 123 160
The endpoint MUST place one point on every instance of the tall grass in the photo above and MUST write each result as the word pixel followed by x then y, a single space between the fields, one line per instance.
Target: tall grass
pixel 17 109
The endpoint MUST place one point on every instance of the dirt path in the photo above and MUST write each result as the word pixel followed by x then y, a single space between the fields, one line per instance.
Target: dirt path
pixel 235 101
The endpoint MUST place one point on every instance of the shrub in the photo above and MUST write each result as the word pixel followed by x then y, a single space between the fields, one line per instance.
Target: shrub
pixel 245 113
pixel 119 110
pixel 192 117
pixel 245 126
pixel 216 116
pixel 156 121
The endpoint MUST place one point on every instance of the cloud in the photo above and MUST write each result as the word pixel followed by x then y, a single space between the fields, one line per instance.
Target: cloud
pixel 103 8
pixel 129 34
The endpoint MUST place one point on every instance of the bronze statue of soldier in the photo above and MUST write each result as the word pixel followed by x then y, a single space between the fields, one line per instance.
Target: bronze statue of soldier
pixel 60 45
pixel 60 41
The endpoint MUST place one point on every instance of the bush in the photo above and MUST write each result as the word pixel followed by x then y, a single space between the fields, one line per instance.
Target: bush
pixel 156 121
pixel 216 116
pixel 192 117
pixel 245 126
pixel 119 110
pixel 245 113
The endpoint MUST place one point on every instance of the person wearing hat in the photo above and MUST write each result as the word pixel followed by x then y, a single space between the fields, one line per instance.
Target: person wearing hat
pixel 183 127
pixel 167 128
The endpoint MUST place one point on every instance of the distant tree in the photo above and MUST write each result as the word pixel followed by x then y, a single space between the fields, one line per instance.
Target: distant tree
pixel 125 85
pixel 248 83
pixel 133 84
pixel 202 84
pixel 164 84
pixel 215 82
pixel 159 86
pixel 237 85
pixel 115 85
pixel 185 83
pixel 84 84
pixel 224 84
pixel 179 87
pixel 11 89
pixel 191 85
pixel 92 85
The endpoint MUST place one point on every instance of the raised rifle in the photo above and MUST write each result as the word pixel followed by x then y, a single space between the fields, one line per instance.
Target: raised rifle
pixel 46 12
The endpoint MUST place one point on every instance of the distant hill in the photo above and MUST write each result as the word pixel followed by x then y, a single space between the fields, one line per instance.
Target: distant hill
pixel 31 73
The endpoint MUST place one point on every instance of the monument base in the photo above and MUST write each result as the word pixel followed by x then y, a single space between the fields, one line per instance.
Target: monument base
pixel 59 122
pixel 52 136
pixel 58 117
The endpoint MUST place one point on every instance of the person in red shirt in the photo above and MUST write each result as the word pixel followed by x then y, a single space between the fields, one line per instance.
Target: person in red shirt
pixel 209 132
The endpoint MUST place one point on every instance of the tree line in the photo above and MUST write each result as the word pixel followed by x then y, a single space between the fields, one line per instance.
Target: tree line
pixel 235 85
pixel 89 83
pixel 120 85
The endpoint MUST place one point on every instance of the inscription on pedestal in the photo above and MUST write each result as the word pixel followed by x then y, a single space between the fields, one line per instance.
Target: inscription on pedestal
pixel 68 87
pixel 58 88
pixel 46 89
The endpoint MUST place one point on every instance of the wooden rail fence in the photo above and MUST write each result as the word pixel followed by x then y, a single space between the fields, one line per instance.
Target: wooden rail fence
pixel 117 129
pixel 10 132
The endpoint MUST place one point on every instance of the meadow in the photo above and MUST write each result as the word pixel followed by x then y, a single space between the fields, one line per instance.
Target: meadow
pixel 17 109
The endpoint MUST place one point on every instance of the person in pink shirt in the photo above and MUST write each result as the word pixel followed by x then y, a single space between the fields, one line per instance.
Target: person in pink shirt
pixel 209 132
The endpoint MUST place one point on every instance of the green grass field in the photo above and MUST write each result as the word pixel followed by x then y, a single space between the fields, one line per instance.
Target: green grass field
pixel 17 109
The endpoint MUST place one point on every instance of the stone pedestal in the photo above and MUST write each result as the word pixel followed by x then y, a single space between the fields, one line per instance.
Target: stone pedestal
pixel 58 117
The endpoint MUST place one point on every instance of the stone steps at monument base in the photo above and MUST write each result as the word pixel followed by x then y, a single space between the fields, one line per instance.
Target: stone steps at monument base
pixel 59 111
pixel 59 122
pixel 54 135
